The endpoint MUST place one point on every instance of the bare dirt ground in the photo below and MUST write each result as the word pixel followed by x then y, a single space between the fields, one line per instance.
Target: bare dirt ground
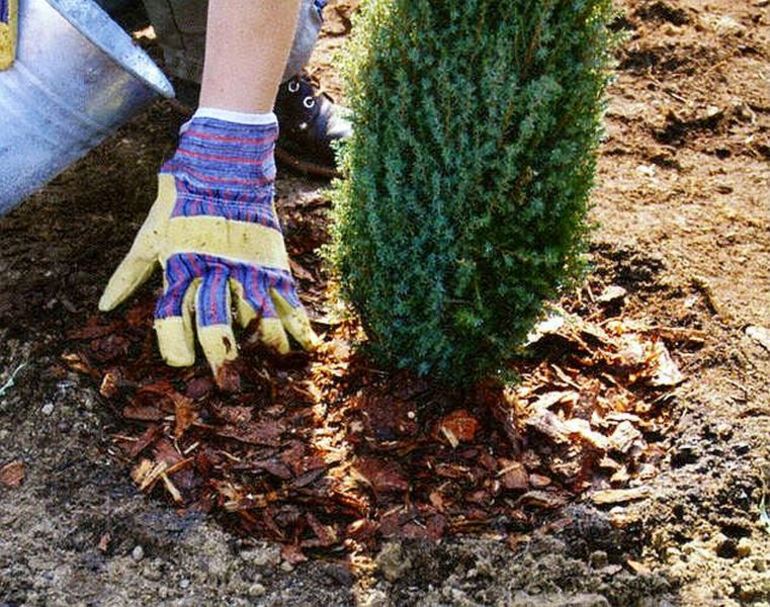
pixel 683 207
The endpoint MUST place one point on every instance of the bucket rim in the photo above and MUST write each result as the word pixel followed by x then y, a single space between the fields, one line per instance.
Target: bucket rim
pixel 98 27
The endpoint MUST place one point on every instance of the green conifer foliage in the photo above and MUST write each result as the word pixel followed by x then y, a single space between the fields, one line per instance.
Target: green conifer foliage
pixel 468 176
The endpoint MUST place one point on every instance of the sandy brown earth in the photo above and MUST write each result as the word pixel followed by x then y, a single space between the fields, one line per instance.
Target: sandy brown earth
pixel 683 207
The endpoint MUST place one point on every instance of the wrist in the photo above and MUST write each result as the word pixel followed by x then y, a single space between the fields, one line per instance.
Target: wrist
pixel 264 119
pixel 218 153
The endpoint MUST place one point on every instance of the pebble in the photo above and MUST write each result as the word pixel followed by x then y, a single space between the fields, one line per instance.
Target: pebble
pixel 137 553
pixel 257 589
pixel 741 448
pixel 184 584
pixel 744 547
pixel 47 409
pixel 598 559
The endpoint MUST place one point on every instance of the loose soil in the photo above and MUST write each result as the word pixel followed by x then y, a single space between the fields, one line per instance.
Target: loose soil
pixel 683 210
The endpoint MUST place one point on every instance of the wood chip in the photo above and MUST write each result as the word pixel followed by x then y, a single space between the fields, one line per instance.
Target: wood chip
pixel 185 414
pixel 666 373
pixel 543 499
pixel 550 424
pixel 612 293
pixel 638 568
pixel 171 488
pixel 144 414
pixel 581 428
pixel 513 475
pixel 460 425
pixel 12 474
pixel 624 436
pixel 549 399
pixel 110 385
pixel 382 475
pixel 262 432
pixel 619 496
pixel 538 481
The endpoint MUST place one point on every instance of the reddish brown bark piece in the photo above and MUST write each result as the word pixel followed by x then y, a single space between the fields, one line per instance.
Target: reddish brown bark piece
pixel 185 414
pixel 460 425
pixel 387 418
pixel 622 439
pixel 228 379
pixel 543 499
pixel 292 554
pixel 264 432
pixel 141 413
pixel 110 385
pixel 383 476
pixel 12 474
pixel 149 436
pixel 513 475
pixel 550 424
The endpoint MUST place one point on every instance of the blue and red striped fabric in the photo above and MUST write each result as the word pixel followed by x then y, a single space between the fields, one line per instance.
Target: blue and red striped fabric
pixel 224 169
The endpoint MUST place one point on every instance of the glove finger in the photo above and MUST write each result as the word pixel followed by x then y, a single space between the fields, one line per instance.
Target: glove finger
pixel 140 262
pixel 245 313
pixel 272 334
pixel 173 323
pixel 252 301
pixel 295 319
pixel 136 268
pixel 215 331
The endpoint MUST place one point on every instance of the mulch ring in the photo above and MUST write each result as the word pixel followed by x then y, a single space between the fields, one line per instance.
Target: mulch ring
pixel 326 453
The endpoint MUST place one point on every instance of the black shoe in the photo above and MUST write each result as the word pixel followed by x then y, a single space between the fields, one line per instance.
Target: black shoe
pixel 309 122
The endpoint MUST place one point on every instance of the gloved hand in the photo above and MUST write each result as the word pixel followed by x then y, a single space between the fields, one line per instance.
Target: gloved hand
pixel 8 25
pixel 214 230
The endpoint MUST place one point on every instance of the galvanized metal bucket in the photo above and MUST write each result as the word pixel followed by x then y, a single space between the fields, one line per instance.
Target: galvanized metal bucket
pixel 77 77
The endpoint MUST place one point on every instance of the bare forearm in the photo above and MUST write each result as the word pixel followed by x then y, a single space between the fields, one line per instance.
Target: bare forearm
pixel 247 44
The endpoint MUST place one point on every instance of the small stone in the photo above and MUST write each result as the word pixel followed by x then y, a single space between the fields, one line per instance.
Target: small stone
pixel 262 556
pixel 287 566
pixel 611 294
pixel 685 454
pixel 391 561
pixel 137 553
pixel 724 431
pixel 744 547
pixel 257 589
pixel 760 564
pixel 184 584
pixel 598 559
pixel 726 547
pixel 761 335
pixel 741 448
pixel 47 409
pixel 538 481
pixel 153 572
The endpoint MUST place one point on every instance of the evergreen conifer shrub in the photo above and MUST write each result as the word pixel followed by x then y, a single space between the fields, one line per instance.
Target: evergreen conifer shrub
pixel 467 180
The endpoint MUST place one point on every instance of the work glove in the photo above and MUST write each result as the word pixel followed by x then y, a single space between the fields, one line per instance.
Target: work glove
pixel 214 230
pixel 8 27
